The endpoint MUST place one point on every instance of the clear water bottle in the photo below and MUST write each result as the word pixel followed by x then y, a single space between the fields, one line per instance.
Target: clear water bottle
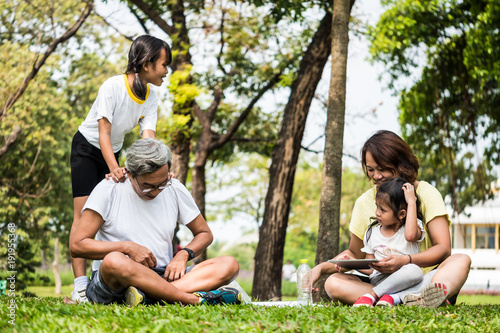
pixel 304 283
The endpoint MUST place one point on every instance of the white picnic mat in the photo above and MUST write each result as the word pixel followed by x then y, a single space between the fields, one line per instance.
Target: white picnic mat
pixel 278 303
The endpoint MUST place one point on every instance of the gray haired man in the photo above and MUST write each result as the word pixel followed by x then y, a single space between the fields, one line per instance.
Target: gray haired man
pixel 127 228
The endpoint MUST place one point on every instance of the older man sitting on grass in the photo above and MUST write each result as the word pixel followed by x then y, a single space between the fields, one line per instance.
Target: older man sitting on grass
pixel 127 228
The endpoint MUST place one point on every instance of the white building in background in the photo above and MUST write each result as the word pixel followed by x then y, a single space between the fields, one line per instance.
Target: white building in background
pixel 476 232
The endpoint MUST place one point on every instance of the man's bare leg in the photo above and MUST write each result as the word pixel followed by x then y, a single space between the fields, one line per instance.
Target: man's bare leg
pixel 209 275
pixel 119 272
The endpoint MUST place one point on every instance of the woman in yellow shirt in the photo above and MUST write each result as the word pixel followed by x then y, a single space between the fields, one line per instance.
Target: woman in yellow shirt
pixel 386 156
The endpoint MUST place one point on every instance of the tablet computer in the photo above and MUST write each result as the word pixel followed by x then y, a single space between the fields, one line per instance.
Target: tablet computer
pixel 354 263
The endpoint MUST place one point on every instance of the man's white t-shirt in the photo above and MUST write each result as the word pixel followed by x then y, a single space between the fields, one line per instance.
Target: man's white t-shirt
pixel 116 102
pixel 150 223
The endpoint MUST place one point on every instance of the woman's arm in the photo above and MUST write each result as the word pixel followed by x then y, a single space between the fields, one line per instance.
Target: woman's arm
pixel 355 246
pixel 439 234
pixel 367 271
pixel 439 251
pixel 354 252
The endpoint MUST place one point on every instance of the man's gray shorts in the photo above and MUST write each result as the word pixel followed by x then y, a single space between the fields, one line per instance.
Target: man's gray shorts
pixel 99 292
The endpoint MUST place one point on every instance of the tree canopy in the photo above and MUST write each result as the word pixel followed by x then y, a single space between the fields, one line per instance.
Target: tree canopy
pixel 441 56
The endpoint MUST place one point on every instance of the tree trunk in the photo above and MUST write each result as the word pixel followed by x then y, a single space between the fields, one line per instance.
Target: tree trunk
pixel 329 225
pixel 269 254
pixel 55 263
pixel 181 145
pixel 198 185
pixel 43 260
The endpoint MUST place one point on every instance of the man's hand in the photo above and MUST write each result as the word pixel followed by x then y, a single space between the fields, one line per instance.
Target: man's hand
pixel 142 255
pixel 177 267
pixel 390 264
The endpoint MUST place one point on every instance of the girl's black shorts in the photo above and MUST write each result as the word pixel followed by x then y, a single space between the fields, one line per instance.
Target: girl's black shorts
pixel 88 166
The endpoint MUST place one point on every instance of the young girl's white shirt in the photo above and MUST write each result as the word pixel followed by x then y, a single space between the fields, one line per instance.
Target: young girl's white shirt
pixel 381 246
pixel 150 223
pixel 116 102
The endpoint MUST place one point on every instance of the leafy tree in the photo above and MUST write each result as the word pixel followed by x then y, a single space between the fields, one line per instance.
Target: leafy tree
pixel 35 181
pixel 449 112
pixel 244 66
pixel 329 224
pixel 240 187
pixel 269 256
pixel 303 228
pixel 39 27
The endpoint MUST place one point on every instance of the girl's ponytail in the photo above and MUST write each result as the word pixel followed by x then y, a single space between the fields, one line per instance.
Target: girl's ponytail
pixel 139 87
pixel 145 49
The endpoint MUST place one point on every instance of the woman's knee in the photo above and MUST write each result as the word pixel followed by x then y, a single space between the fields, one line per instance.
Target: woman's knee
pixel 332 285
pixel 464 260
pixel 457 261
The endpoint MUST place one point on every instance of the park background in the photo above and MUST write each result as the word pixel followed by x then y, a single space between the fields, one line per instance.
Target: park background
pixel 460 159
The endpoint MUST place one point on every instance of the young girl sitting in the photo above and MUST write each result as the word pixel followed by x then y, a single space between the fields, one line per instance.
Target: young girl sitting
pixel 396 230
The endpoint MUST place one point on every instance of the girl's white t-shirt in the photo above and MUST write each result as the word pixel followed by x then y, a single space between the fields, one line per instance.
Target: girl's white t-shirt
pixel 150 223
pixel 116 102
pixel 381 246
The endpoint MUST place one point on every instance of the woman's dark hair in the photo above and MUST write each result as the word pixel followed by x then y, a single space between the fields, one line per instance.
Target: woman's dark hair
pixel 145 49
pixel 391 152
pixel 391 193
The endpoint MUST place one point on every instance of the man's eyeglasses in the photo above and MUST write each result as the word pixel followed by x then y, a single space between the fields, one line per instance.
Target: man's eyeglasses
pixel 160 187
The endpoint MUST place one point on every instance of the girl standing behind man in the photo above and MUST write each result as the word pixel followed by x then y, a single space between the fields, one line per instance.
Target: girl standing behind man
pixel 123 102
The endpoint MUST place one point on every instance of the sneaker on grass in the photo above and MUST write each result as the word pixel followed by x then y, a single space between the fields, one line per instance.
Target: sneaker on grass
pixel 133 297
pixel 433 296
pixel 223 295
pixel 385 300
pixel 363 301
pixel 79 296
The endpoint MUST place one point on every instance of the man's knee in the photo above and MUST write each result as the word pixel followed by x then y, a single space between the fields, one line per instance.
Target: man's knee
pixel 115 263
pixel 231 264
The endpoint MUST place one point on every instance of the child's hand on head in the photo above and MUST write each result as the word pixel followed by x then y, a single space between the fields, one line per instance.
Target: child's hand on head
pixel 118 175
pixel 409 191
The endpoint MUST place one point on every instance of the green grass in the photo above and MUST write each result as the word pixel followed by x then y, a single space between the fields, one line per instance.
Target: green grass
pixel 51 315
pixel 46 313
pixel 478 299
pixel 49 291
pixel 46 277
pixel 43 291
